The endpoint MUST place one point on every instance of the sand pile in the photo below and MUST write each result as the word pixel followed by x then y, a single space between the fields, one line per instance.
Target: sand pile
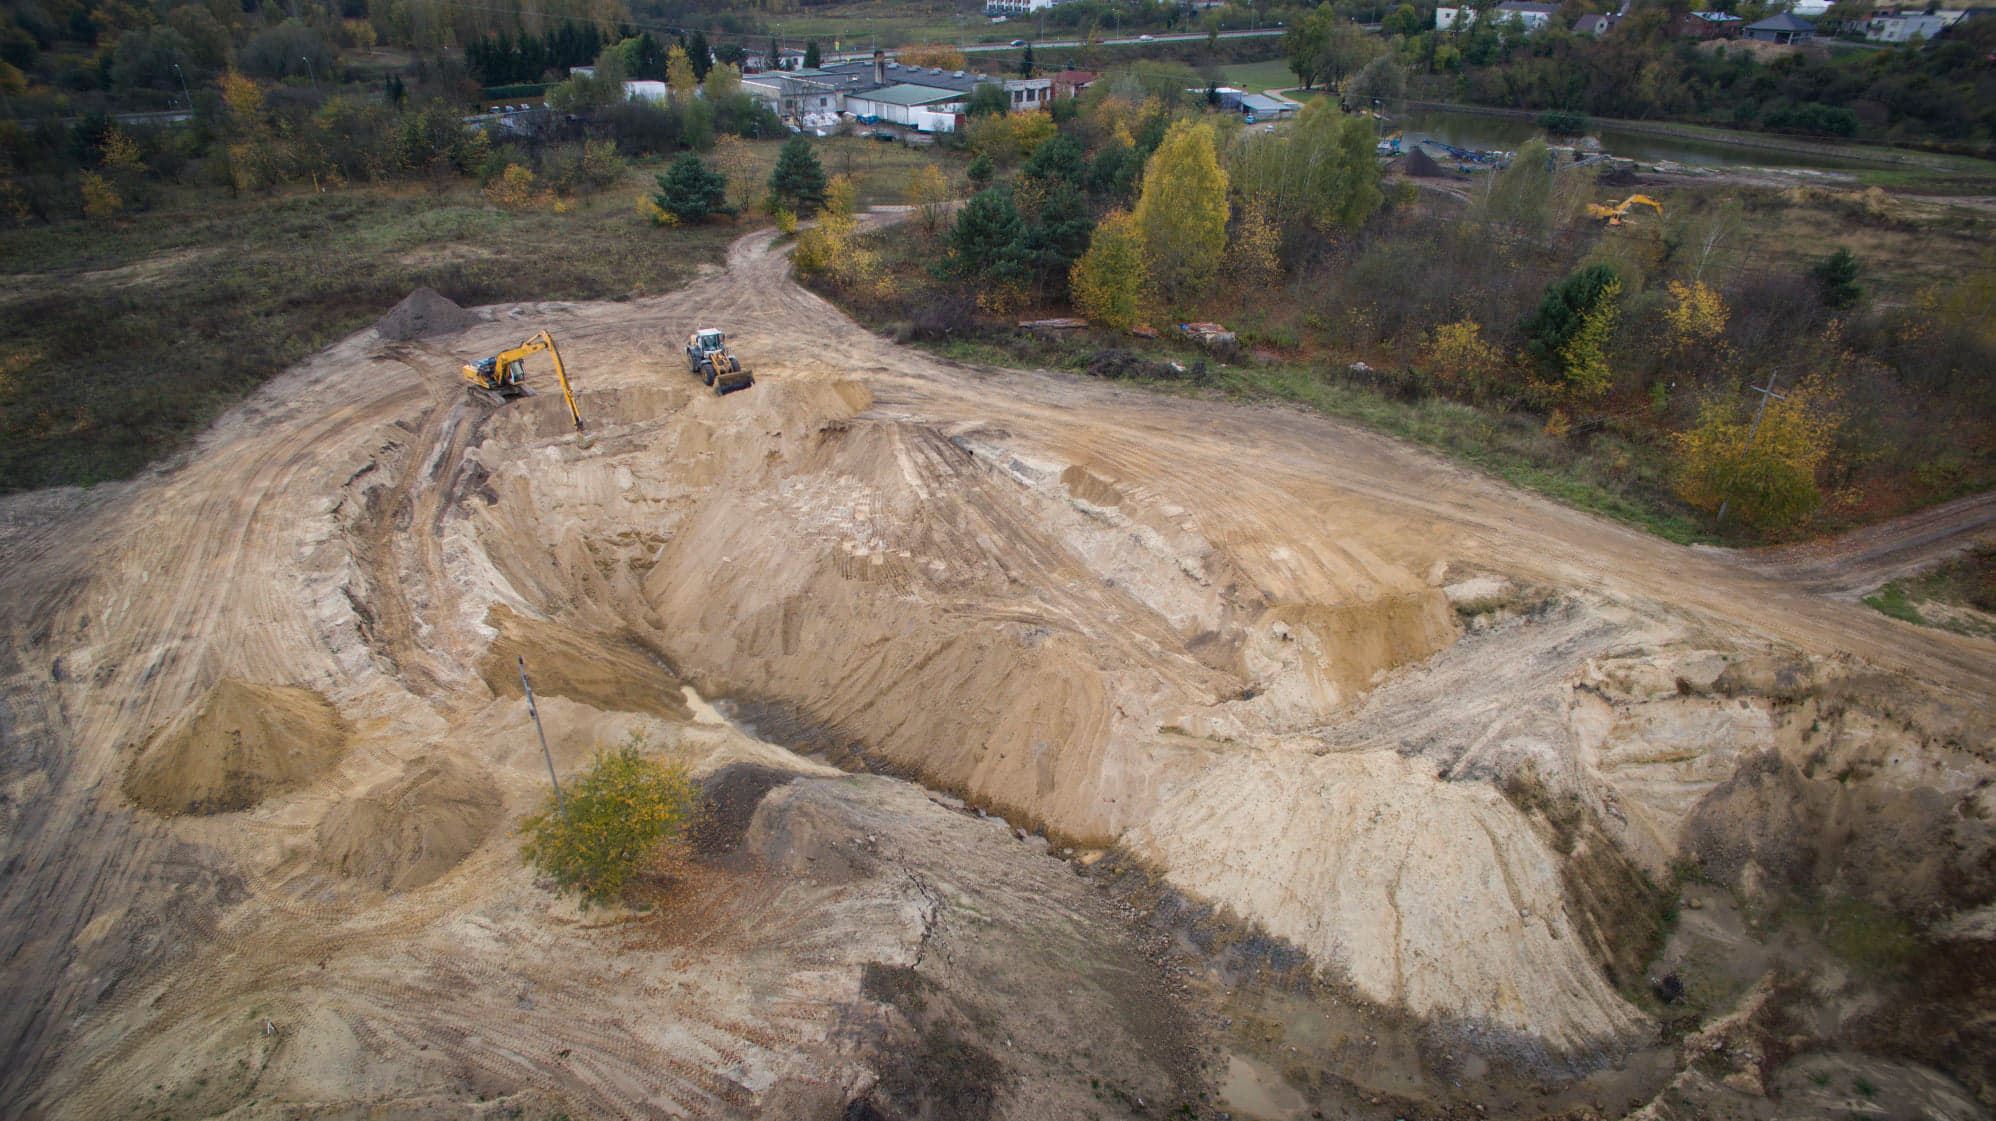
pixel 240 745
pixel 565 662
pixel 412 829
pixel 422 313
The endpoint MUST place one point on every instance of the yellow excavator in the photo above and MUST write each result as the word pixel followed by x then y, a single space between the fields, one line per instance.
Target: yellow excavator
pixel 503 377
pixel 1613 215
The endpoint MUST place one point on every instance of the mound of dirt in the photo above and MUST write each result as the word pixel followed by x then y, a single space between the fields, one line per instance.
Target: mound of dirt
pixel 565 662
pixel 240 745
pixel 1421 166
pixel 421 314
pixel 412 829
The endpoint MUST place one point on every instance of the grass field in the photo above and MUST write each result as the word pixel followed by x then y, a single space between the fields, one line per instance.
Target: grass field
pixel 127 338
pixel 1254 77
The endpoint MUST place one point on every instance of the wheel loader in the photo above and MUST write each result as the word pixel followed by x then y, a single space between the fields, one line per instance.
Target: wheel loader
pixel 707 355
pixel 503 377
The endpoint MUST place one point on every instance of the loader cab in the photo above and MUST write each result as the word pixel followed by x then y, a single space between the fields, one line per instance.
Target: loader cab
pixel 707 342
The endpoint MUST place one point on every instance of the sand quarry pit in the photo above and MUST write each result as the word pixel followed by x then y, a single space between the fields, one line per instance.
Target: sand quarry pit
pixel 1072 752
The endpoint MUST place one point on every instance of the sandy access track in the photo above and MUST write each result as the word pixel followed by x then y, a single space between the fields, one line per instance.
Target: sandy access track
pixel 1230 639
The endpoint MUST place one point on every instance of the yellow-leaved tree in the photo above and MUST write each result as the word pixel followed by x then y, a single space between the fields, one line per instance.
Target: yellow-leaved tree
pixel 1254 260
pixel 941 57
pixel 1108 280
pixel 1764 475
pixel 1585 356
pixel 100 198
pixel 1457 352
pixel 679 79
pixel 1182 212
pixel 832 247
pixel 928 192
pixel 1697 315
pixel 618 825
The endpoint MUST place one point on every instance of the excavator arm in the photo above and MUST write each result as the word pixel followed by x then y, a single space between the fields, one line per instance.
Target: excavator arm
pixel 545 341
pixel 503 361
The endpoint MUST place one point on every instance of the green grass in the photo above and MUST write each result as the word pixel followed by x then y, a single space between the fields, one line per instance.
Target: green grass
pixel 1958 595
pixel 1254 77
pixel 127 339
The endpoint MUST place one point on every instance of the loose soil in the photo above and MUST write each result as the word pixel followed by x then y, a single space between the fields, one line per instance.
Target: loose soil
pixel 1438 767
pixel 241 744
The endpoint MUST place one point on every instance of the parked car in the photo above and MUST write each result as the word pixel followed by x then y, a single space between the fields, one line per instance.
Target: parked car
pixel 1018 42
pixel 1146 38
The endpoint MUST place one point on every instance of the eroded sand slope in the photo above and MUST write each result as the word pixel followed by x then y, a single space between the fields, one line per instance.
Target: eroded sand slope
pixel 1444 738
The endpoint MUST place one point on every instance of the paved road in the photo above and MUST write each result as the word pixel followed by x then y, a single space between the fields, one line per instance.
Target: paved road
pixel 1127 40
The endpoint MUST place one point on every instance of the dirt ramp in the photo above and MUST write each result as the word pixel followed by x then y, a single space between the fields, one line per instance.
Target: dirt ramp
pixel 421 314
pixel 565 662
pixel 240 745
pixel 410 830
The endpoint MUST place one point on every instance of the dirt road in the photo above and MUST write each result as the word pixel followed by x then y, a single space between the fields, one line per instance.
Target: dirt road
pixel 1126 617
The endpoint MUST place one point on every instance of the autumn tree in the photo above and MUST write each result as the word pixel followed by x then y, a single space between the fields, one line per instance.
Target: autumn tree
pixel 1584 358
pixel 735 161
pixel 1696 316
pixel 1457 352
pixel 1108 281
pixel 928 192
pixel 1763 472
pixel 1322 172
pixel 1182 212
pixel 797 183
pixel 1570 309
pixel 679 79
pixel 1254 259
pixel 100 197
pixel 613 824
pixel 513 188
pixel 724 80
pixel 933 55
pixel 832 247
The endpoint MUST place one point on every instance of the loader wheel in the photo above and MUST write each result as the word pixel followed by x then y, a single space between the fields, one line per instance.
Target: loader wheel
pixel 707 372
pixel 734 364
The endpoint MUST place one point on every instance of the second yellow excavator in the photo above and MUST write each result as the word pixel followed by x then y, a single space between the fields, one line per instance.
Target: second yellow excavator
pixel 1613 215
pixel 503 377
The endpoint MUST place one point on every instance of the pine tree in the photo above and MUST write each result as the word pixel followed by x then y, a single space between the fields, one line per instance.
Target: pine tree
pixel 988 240
pixel 1026 62
pixel 1108 280
pixel 701 55
pixel 690 192
pixel 980 171
pixel 811 55
pixel 798 181
pixel 1058 235
pixel 1182 212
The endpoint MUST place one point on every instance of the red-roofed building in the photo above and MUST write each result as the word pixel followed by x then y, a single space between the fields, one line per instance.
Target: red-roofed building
pixel 1070 83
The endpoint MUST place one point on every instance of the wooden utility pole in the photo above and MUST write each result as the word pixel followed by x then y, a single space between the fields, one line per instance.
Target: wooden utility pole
pixel 534 711
pixel 1766 393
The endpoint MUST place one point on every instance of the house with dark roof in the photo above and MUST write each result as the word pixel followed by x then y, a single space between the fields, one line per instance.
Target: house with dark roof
pixel 1783 27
